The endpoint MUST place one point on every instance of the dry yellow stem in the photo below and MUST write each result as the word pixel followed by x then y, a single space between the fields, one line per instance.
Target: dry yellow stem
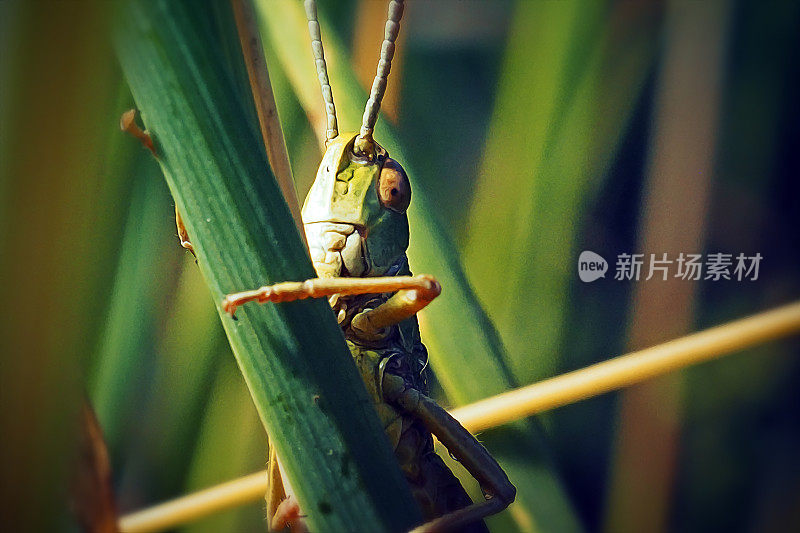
pixel 519 403
pixel 196 505
pixel 629 369
pixel 266 109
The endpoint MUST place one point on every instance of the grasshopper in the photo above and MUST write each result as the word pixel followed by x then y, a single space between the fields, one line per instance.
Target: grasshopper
pixel 356 226
pixel 357 230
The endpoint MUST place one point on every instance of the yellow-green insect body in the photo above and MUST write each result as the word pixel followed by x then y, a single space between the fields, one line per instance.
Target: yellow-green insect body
pixel 371 364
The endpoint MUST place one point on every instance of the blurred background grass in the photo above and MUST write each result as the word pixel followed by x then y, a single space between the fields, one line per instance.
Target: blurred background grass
pixel 534 130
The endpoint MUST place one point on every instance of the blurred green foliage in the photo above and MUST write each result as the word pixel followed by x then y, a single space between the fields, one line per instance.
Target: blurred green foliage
pixel 527 127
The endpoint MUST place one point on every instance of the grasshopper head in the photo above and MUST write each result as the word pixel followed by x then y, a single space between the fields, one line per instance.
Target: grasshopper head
pixel 355 213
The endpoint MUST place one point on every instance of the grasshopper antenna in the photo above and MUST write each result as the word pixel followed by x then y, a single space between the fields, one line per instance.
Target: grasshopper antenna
pixel 322 69
pixel 364 144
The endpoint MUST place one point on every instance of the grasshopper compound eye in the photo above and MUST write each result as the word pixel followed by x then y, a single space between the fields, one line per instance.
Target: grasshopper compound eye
pixel 394 190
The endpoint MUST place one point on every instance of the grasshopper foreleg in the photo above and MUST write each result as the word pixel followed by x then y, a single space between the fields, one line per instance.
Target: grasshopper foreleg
pixel 464 446
pixel 127 123
pixel 419 289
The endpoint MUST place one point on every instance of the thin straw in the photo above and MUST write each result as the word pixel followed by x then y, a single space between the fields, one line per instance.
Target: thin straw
pixel 562 390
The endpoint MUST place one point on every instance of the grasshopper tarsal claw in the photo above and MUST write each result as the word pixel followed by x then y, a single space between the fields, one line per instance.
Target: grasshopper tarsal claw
pixel 127 123
pixel 183 235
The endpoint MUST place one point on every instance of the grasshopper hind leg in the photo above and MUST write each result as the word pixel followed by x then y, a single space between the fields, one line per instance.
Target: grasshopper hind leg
pixel 497 488
pixel 288 516
pixel 441 494
pixel 283 511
